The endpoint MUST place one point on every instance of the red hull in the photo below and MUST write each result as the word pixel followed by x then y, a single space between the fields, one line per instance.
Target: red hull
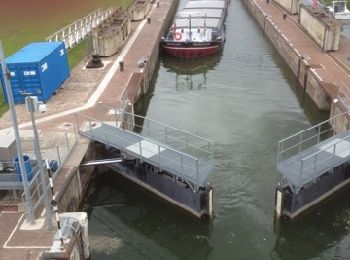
pixel 190 52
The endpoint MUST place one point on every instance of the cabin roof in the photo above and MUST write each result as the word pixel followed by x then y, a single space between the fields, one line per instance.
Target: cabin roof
pixel 218 4
pixel 197 22
pixel 209 13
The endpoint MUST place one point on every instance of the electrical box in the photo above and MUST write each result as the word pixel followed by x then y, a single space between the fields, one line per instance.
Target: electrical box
pixel 8 148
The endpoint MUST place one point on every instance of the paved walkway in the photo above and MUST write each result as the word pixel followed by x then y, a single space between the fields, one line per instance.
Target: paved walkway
pixel 335 68
pixel 81 93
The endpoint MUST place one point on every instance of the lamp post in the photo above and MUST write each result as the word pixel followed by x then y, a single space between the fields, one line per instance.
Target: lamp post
pixel 33 105
pixel 27 197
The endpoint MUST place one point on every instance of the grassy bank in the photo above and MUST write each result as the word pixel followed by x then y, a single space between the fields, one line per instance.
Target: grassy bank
pixel 22 22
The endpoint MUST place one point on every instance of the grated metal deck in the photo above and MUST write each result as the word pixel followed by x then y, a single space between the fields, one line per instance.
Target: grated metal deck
pixel 316 160
pixel 166 158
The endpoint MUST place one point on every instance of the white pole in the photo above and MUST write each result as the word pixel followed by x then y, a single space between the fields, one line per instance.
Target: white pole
pixel 6 77
pixel 30 102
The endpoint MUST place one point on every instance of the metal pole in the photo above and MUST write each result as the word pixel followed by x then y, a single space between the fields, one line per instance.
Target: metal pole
pixel 54 202
pixel 190 25
pixel 31 107
pixel 6 76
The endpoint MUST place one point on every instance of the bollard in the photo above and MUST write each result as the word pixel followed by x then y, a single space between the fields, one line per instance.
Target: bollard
pixel 148 20
pixel 284 15
pixel 157 4
pixel 267 1
pixel 121 65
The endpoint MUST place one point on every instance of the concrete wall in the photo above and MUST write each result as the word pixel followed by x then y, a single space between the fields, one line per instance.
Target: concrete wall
pixel 301 67
pixel 74 228
pixel 75 184
pixel 291 6
pixel 323 30
pixel 109 37
pixel 140 9
pixel 152 58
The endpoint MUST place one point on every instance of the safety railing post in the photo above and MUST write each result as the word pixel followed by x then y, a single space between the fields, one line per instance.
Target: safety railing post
pixel 318 134
pixel 76 126
pixel 159 157
pixel 182 164
pixel 282 151
pixel 301 169
pixel 148 127
pixel 300 141
pixel 315 162
pixel 90 128
pixel 116 118
pixel 67 140
pixel 166 135
pixel 58 154
pixel 278 151
pixel 140 147
pixel 197 171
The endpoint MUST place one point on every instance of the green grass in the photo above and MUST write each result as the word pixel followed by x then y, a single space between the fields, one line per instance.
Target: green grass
pixel 18 29
pixel 77 54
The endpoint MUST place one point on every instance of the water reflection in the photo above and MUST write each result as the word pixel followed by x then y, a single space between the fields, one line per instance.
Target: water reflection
pixel 122 221
pixel 320 233
pixel 190 74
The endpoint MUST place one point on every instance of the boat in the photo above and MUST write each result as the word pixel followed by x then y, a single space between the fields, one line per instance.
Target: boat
pixel 198 30
pixel 340 11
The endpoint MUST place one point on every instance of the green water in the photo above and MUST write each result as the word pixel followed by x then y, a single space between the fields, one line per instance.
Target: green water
pixel 244 99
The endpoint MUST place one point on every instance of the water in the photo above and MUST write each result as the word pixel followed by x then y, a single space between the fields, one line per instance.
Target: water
pixel 245 99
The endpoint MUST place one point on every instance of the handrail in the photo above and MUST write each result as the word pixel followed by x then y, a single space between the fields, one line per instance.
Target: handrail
pixel 162 124
pixel 76 31
pixel 192 164
pixel 54 155
pixel 324 149
pixel 209 144
pixel 304 138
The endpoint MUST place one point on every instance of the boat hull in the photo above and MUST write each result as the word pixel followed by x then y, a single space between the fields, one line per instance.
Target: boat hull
pixel 190 50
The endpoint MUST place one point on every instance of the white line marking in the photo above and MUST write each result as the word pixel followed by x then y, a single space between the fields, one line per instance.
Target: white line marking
pixel 21 247
pixel 101 87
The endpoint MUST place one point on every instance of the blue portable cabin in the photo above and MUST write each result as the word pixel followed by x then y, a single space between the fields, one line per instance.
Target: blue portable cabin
pixel 39 68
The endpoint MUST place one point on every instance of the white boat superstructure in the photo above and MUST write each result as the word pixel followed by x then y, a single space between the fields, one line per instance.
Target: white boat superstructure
pixel 340 10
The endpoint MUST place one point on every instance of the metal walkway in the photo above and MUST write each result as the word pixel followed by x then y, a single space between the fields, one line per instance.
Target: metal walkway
pixel 77 31
pixel 306 155
pixel 166 156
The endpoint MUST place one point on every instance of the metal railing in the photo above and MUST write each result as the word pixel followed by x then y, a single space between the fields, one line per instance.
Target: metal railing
pixel 9 178
pixel 56 155
pixel 77 31
pixel 179 163
pixel 313 162
pixel 170 136
pixel 296 143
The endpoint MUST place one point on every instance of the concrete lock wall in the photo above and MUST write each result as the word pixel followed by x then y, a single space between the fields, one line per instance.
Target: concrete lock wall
pixel 341 123
pixel 300 65
pixel 314 88
pixel 74 229
pixel 322 29
pixel 291 6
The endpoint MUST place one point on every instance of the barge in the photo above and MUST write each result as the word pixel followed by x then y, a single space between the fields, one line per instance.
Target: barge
pixel 198 30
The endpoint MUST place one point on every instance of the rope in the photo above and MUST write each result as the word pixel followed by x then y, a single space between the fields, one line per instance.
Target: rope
pixel 54 202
